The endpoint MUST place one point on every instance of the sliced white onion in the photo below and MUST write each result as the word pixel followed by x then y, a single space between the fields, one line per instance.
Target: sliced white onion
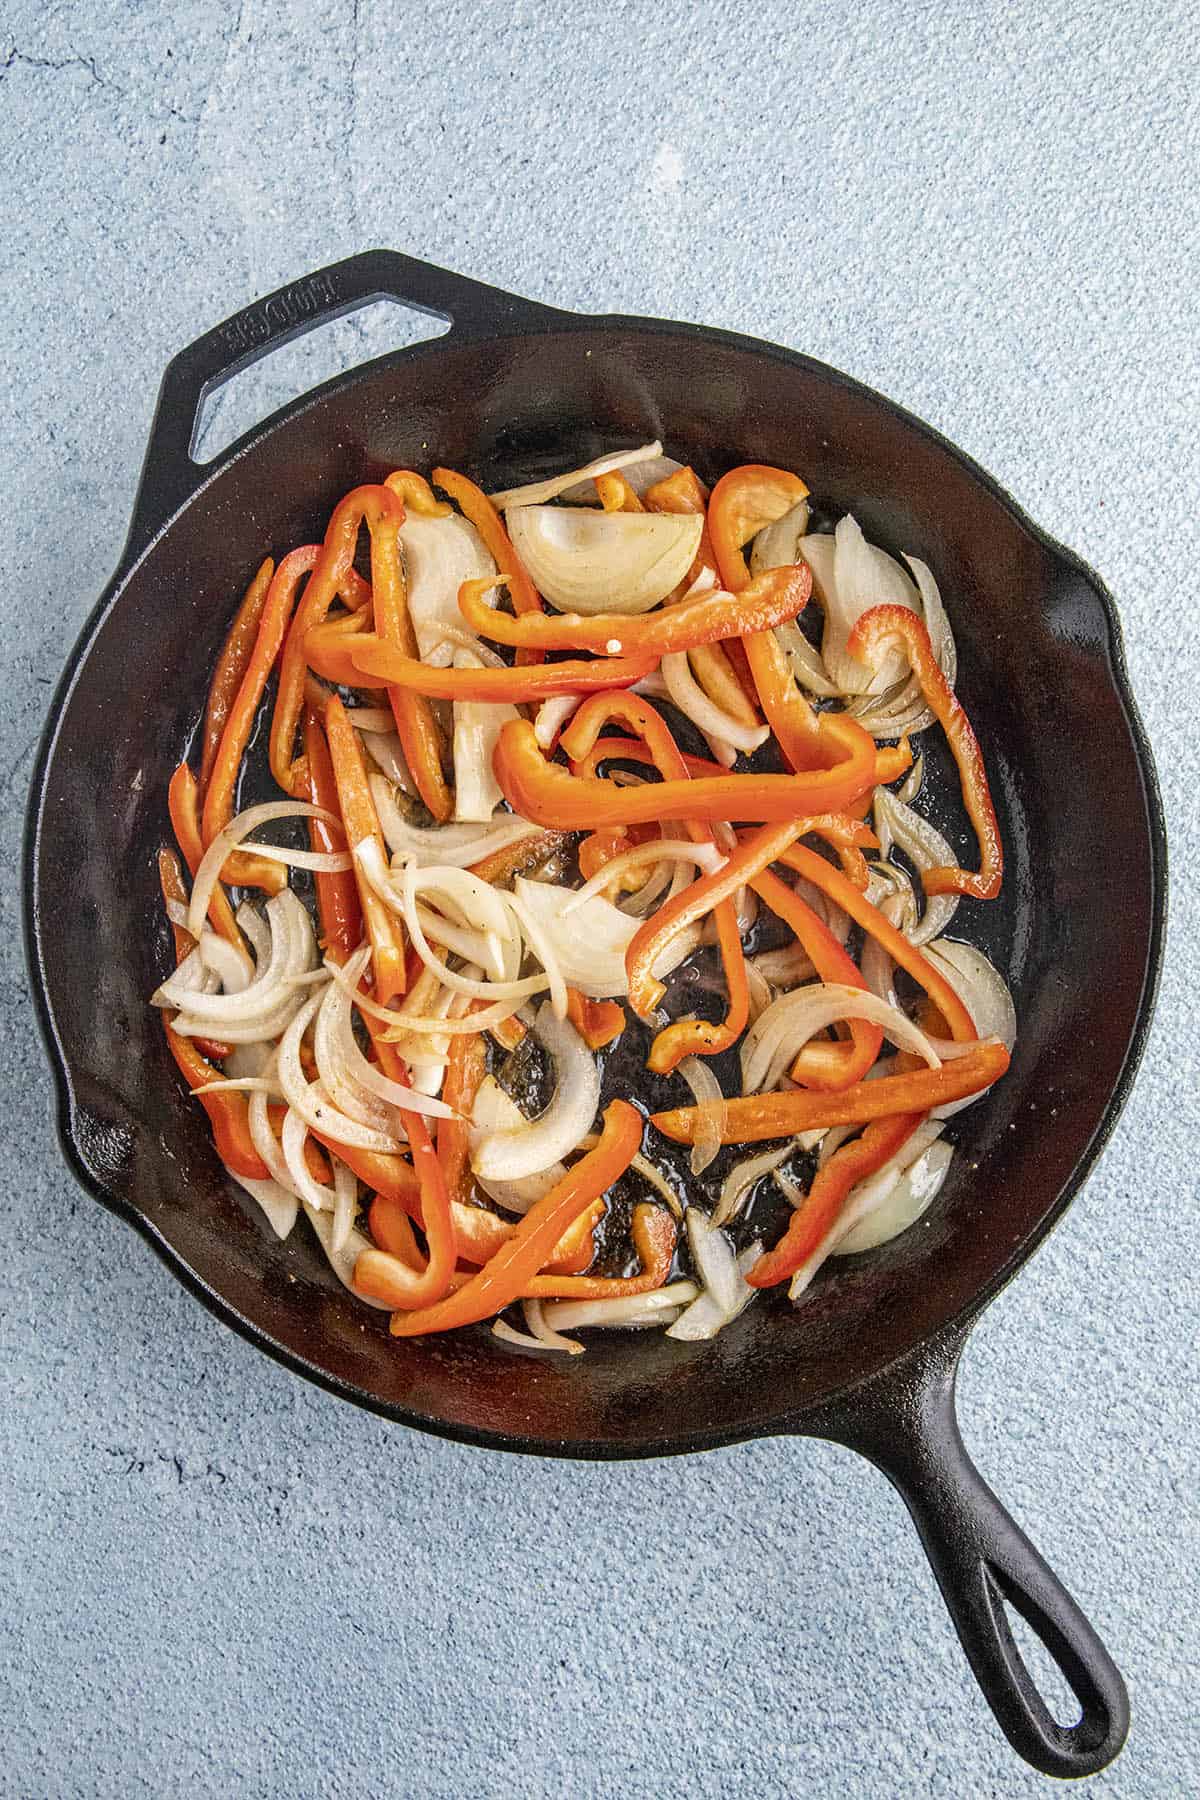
pixel 232 967
pixel 494 1110
pixel 807 665
pixel 254 927
pixel 280 1207
pixel 941 637
pixel 342 1260
pixel 313 1103
pixel 784 968
pixel 772 1042
pixel 714 1259
pixel 926 849
pixel 661 1186
pixel 710 1127
pixel 477 728
pixel 536 493
pixel 659 1307
pixel 343 1058
pixel 552 715
pixel 238 828
pixel 878 969
pixel 704 1318
pixel 742 1177
pixel 345 1187
pixel 541 943
pixel 595 562
pixel 508 1155
pixel 687 694
pixel 439 555
pixel 262 1136
pixel 849 578
pixel 876 1218
pixel 292 1138
pixel 589 938
pixel 910 787
pixel 387 753
pixel 777 545
pixel 986 996
pixel 456 845
pixel 701 856
pixel 545 1335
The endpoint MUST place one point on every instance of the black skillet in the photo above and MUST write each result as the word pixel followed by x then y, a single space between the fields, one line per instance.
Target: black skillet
pixel 518 388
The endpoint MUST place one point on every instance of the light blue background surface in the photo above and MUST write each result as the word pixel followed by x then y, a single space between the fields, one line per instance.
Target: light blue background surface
pixel 217 1580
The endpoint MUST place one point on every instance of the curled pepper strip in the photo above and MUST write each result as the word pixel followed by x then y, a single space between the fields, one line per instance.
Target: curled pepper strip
pixel 333 574
pixel 338 904
pixel 370 656
pixel 416 494
pixel 721 670
pixel 243 866
pixel 420 738
pixel 514 1265
pixel 831 881
pixel 634 750
pixel 824 1065
pixel 598 1022
pixel 231 666
pixel 752 1118
pixel 817 1213
pixel 360 819
pixel 654 1235
pixel 475 506
pixel 185 822
pixel 742 503
pixel 873 633
pixel 771 599
pixel 515 859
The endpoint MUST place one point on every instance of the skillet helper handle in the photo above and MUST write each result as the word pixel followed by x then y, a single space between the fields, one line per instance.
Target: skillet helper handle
pixel 170 475
pixel 983 1561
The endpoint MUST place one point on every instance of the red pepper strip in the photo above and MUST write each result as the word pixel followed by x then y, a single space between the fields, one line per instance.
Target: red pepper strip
pixel 752 1118
pixel 227 1111
pixel 418 730
pixel 598 1022
pixel 185 822
pixel 476 506
pixel 653 1232
pixel 684 493
pixel 634 750
pixel 615 493
pixel 360 820
pixel 502 865
pixel 332 574
pixel 465 1069
pixel 873 633
pixel 657 933
pixel 170 879
pixel 480 1233
pixel 831 881
pixel 743 501
pixel 231 666
pixel 721 670
pixel 713 669
pixel 817 1213
pixel 338 904
pixel 370 656
pixel 771 599
pixel 824 1065
pixel 508 1033
pixel 416 493
pixel 688 1036
pixel 242 866
pixel 391 1229
pixel 507 1274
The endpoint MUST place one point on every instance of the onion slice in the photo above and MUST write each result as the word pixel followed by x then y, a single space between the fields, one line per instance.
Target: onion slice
pixel 527 1149
pixel 742 1177
pixel 772 1042
pixel 536 493
pixel 706 1091
pixel 596 562
pixel 239 827
pixel 659 1307
pixel 926 848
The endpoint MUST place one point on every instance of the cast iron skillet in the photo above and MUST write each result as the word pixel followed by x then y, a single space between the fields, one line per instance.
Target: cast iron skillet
pixel 520 388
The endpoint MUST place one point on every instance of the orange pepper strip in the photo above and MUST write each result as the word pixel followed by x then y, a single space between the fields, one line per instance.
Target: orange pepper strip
pixel 418 730
pixel 185 822
pixel 365 656
pixel 615 493
pixel 475 505
pixel 244 867
pixel 742 503
pixel 598 1022
pixel 416 493
pixel 685 493
pixel 874 631
pixel 689 1036
pixel 817 1213
pixel 542 791
pixel 657 933
pixel 599 848
pixel 333 573
pixel 360 820
pixel 228 1111
pixel 391 1229
pixel 752 1118
pixel 831 881
pixel 231 666
pixel 506 1275
pixel 634 750
pixel 465 1069
pixel 338 904
pixel 653 1232
pixel 479 1233
pixel 502 865
pixel 771 599
pixel 170 879
pixel 823 1065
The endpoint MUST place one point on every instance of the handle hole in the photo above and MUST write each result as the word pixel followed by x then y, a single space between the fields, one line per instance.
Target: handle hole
pixel 293 368
pixel 1057 1695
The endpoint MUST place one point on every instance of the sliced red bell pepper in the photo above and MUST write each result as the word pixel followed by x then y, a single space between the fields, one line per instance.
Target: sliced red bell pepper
pixel 508 1273
pixel 475 505
pixel 359 657
pixel 598 1022
pixel 515 859
pixel 185 822
pixel 338 904
pixel 465 1069
pixel 752 1118
pixel 742 503
pixel 479 1233
pixel 420 736
pixel 878 630
pixel 654 1236
pixel 361 821
pixel 817 1213
pixel 227 1110
pixel 769 600
pixel 416 494
pixel 626 749
pixel 231 666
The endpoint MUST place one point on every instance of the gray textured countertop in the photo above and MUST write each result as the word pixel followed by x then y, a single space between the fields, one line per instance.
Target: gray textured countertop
pixel 218 1580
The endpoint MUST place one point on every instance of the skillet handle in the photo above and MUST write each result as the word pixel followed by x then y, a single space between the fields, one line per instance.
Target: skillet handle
pixel 170 475
pixel 905 1422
